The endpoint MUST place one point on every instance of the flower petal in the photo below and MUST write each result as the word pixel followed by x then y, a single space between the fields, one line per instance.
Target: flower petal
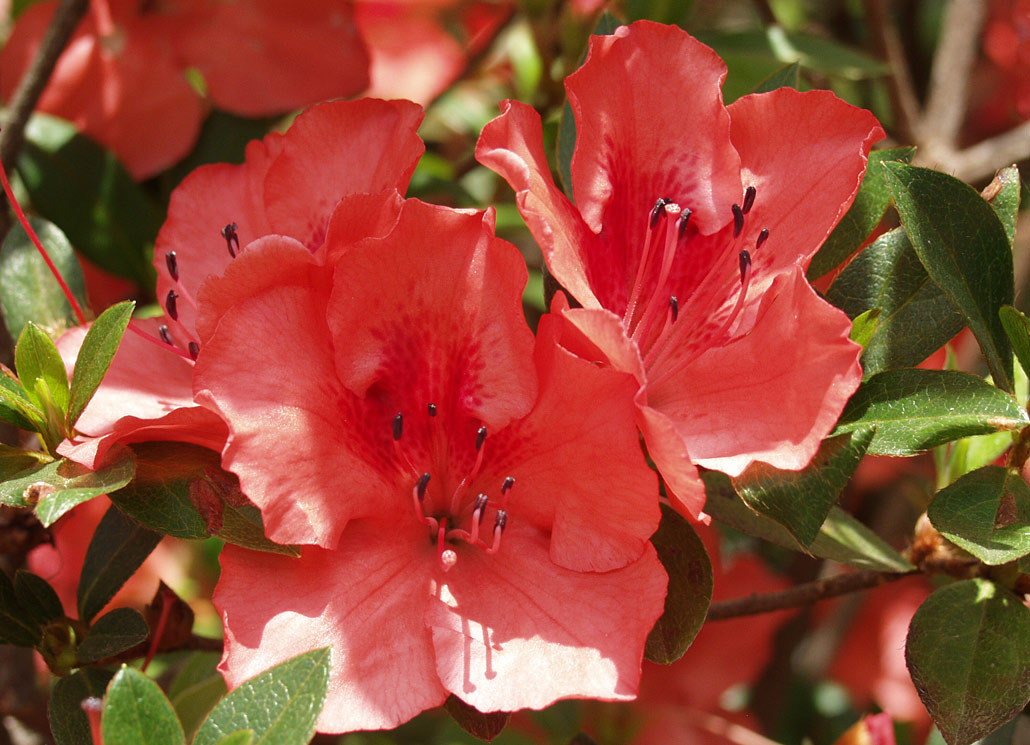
pixel 366 600
pixel 514 631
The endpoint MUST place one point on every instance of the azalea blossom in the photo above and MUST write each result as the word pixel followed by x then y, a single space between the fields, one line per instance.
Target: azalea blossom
pixel 686 246
pixel 359 146
pixel 122 79
pixel 478 502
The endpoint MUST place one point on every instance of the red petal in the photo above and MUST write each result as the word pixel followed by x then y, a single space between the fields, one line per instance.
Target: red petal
pixel 805 153
pixel 771 395
pixel 335 149
pixel 667 448
pixel 366 600
pixel 515 631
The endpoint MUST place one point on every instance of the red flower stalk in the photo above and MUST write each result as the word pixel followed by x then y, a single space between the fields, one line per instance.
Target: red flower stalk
pixel 686 246
pixel 122 80
pixel 479 502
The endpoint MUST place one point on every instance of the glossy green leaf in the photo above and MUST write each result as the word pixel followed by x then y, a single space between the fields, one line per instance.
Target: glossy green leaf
pixel 916 317
pixel 841 538
pixel 801 500
pixel 476 723
pixel 690 588
pixel 1017 327
pixel 119 546
pixel 41 370
pixel 54 488
pixel 281 705
pixel 862 217
pixel 82 187
pixel 28 290
pixel 68 721
pixel 196 689
pixel 968 650
pixel 136 711
pixel 15 406
pixel 915 410
pixel 864 326
pixel 239 737
pixel 114 632
pixel 15 625
pixel 37 598
pixel 1003 195
pixel 788 76
pixel 986 512
pixel 182 491
pixel 963 247
pixel 95 355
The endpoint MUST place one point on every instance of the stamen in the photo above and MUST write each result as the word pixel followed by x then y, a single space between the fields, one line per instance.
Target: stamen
pixel 173 265
pixel 421 485
pixel 749 199
pixel 738 220
pixel 194 349
pixel 762 238
pixel 170 306
pixel 499 522
pixel 657 211
pixel 231 238
pixel 477 517
pixel 480 437
pixel 397 429
pixel 418 494
pixel 681 223
pixel 398 426
pixel 153 340
pixel 745 264
pixel 509 482
pixel 456 496
pixel 674 307
pixel 432 409
pixel 166 337
pixel 641 332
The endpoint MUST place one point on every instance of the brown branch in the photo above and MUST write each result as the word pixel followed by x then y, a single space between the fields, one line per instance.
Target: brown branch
pixel 887 43
pixel 802 595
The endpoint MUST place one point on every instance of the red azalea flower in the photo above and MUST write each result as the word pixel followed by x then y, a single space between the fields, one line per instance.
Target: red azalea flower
pixel 480 503
pixel 359 146
pixel 702 294
pixel 122 79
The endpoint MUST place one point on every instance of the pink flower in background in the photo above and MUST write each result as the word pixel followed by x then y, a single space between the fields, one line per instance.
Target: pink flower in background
pixel 387 402
pixel 686 247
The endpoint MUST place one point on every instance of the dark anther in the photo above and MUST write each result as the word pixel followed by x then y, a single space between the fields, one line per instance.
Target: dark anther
pixel 681 223
pixel 480 437
pixel 674 306
pixel 501 520
pixel 509 482
pixel 749 199
pixel 173 265
pixel 398 426
pixel 745 262
pixel 432 409
pixel 165 336
pixel 762 238
pixel 170 306
pixel 194 349
pixel 657 211
pixel 232 240
pixel 738 220
pixel 481 501
pixel 421 486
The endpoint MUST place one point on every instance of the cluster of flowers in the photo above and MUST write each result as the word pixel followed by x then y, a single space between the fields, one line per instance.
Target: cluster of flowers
pixel 472 500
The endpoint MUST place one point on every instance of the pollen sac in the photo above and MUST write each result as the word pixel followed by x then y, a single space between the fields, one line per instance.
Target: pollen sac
pixel 398 426
pixel 745 263
pixel 421 485
pixel 509 482
pixel 501 520
pixel 170 305
pixel 481 501
pixel 674 307
pixel 738 220
pixel 166 337
pixel 232 239
pixel 749 199
pixel 432 409
pixel 173 265
pixel 480 438
pixel 762 238
pixel 657 211
pixel 681 223
pixel 194 349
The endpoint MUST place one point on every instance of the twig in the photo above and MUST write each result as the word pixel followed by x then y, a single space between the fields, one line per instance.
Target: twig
pixel 802 595
pixel 904 102
pixel 981 160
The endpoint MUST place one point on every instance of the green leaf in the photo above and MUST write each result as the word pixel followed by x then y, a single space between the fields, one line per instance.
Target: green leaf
pixel 863 216
pixel 37 598
pixel 964 249
pixel 663 11
pixel 15 625
pixel 1003 196
pixel 841 538
pixel 82 187
pixel 182 491
pixel 986 512
pixel 95 356
pixel 1017 328
pixel 54 488
pixel 41 370
pixel 68 721
pixel 864 326
pixel 788 76
pixel 114 632
pixel 196 689
pixel 801 500
pixel 690 589
pixel 476 723
pixel 915 410
pixel 15 406
pixel 916 317
pixel 239 737
pixel 28 291
pixel 281 705
pixel 136 711
pixel 968 650
pixel 119 546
